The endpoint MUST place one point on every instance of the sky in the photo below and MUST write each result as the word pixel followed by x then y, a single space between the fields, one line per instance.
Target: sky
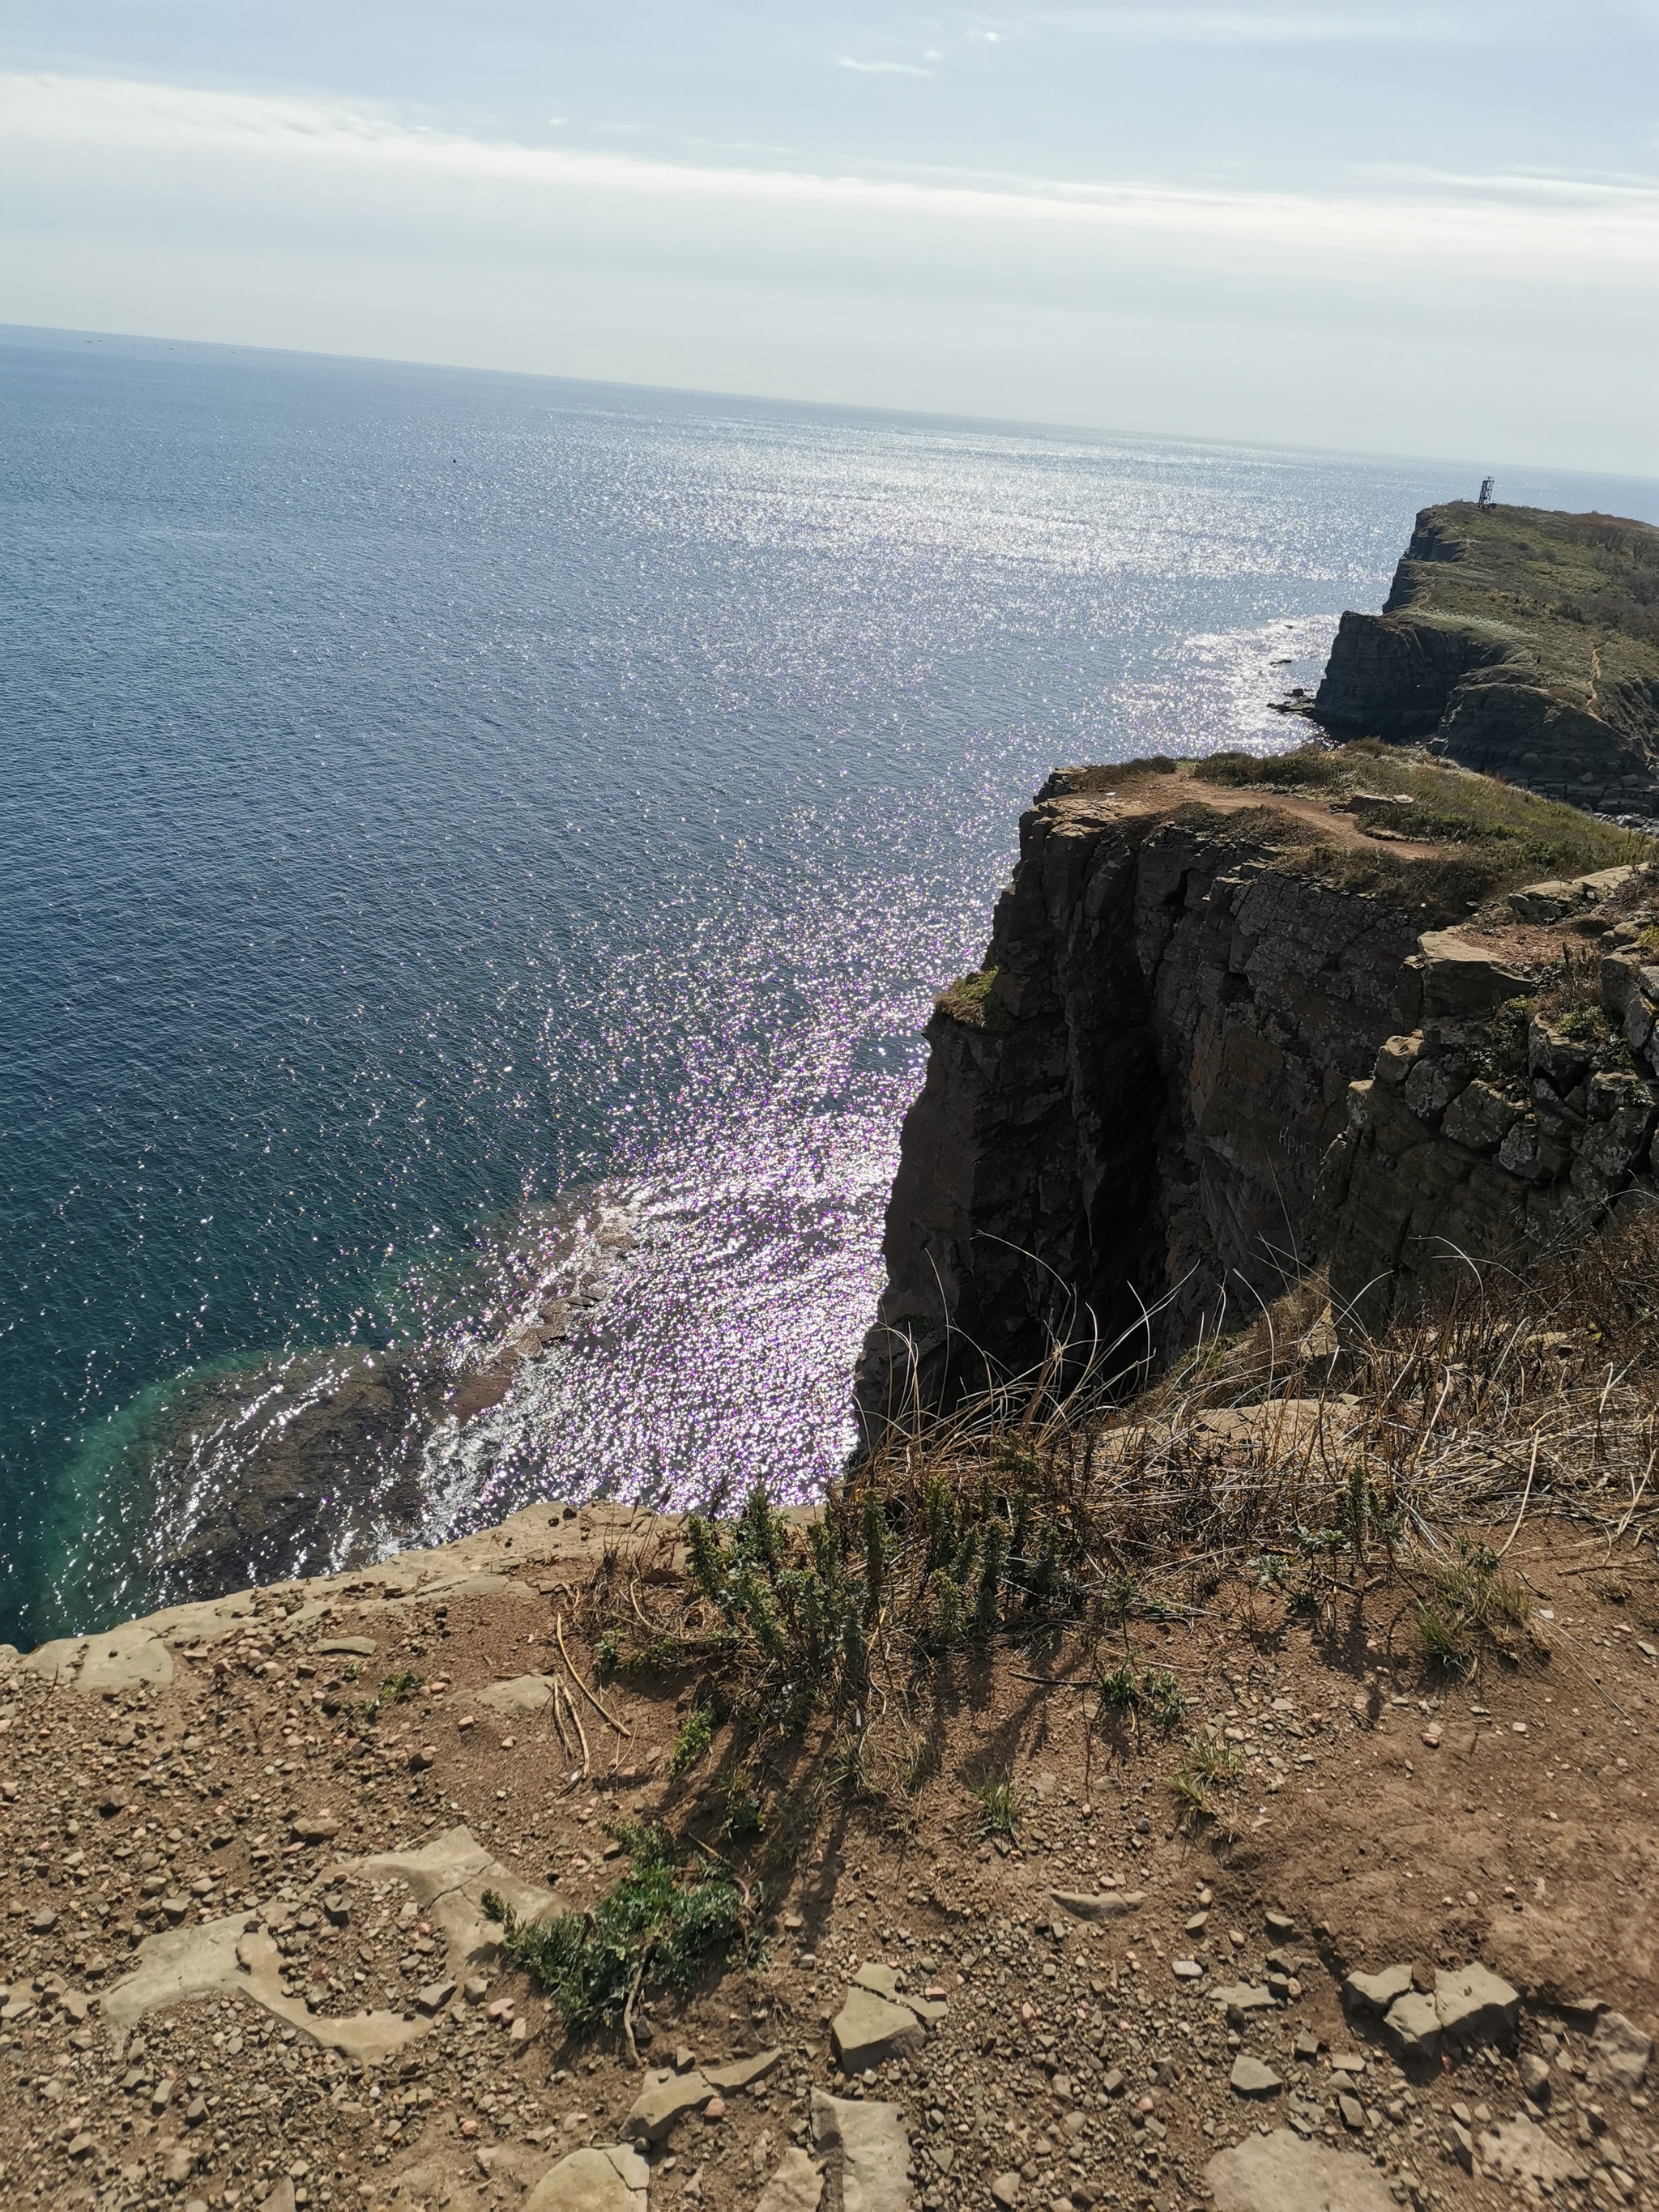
pixel 1416 227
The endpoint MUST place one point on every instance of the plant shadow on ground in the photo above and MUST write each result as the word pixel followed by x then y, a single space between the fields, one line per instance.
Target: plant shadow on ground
pixel 1050 1539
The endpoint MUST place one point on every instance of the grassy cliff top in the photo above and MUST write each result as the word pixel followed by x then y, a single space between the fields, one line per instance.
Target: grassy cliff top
pixel 1572 598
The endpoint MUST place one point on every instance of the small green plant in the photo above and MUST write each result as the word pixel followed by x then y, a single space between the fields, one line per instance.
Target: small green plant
pixel 398 1689
pixel 1165 1699
pixel 1585 1025
pixel 1470 1601
pixel 1001 1810
pixel 1210 1763
pixel 744 1815
pixel 653 1930
pixel 692 1739
pixel 608 1651
pixel 1153 1690
pixel 971 1001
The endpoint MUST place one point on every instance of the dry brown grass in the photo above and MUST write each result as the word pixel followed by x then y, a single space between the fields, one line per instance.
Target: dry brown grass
pixel 1274 1474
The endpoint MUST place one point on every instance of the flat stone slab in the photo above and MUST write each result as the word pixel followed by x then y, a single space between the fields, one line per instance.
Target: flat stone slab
pixel 1461 979
pixel 1376 1992
pixel 797 2186
pixel 1245 1996
pixel 1474 2006
pixel 1520 2150
pixel 1103 1905
pixel 868 2029
pixel 127 1658
pixel 666 2098
pixel 874 2149
pixel 523 1694
pixel 1251 2078
pixel 742 2073
pixel 446 1877
pixel 610 2179
pixel 1280 2173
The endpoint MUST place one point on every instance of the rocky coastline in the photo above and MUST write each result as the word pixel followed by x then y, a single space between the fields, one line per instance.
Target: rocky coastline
pixel 1517 643
pixel 1306 1873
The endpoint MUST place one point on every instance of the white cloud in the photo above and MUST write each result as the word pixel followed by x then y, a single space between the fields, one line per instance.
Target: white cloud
pixel 883 69
pixel 1612 235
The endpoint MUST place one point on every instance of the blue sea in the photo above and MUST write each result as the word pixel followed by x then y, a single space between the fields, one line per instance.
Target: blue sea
pixel 476 856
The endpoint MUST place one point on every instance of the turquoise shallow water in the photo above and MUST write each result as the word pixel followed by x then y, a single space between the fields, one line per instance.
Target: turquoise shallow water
pixel 471 845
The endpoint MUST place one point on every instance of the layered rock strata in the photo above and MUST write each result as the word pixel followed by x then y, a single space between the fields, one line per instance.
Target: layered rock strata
pixel 1194 1064
pixel 1490 1129
pixel 1125 1112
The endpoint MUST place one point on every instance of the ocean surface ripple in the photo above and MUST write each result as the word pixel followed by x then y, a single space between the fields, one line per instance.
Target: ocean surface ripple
pixel 475 855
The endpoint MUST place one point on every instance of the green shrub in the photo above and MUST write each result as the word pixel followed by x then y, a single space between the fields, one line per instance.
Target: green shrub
pixel 1469 1602
pixel 652 1931
pixel 692 1739
pixel 971 1001
pixel 1001 1810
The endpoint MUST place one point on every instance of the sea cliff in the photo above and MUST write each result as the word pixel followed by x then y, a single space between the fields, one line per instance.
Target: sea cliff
pixel 1221 1036
pixel 1518 642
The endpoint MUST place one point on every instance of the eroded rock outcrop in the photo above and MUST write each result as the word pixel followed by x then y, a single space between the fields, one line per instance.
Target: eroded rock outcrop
pixel 1197 1061
pixel 1130 1103
pixel 1493 1130
pixel 1520 643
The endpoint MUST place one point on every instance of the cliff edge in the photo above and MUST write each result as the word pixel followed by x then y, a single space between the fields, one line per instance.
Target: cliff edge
pixel 1519 642
pixel 1170 1091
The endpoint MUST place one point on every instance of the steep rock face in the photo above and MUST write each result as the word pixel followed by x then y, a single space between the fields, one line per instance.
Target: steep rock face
pixel 1520 643
pixel 1487 1131
pixel 1136 1106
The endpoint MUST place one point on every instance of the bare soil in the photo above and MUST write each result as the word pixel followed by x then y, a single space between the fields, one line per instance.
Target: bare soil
pixel 1386 1817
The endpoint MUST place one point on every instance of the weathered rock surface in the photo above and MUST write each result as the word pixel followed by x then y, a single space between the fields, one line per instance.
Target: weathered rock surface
pixel 873 2149
pixel 1251 2077
pixel 1099 1905
pixel 797 2186
pixel 1474 2006
pixel 1412 2024
pixel 1488 649
pixel 1376 1992
pixel 1520 2150
pixel 523 1694
pixel 666 2098
pixel 1621 2052
pixel 612 2179
pixel 1279 2173
pixel 1140 1099
pixel 447 1878
pixel 1439 1162
pixel 870 2029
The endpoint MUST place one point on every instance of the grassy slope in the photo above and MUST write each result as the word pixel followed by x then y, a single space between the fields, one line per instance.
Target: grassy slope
pixel 1504 836
pixel 1574 599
